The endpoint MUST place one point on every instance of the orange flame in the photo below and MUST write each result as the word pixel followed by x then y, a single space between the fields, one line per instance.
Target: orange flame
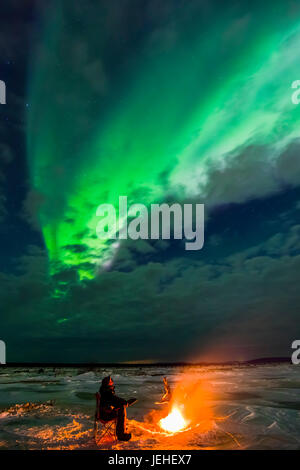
pixel 190 406
pixel 174 422
pixel 191 409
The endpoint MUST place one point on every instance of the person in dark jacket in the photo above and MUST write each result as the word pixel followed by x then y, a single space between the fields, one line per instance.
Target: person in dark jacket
pixel 112 406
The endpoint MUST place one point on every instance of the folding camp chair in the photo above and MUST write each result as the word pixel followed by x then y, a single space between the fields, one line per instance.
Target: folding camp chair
pixel 106 428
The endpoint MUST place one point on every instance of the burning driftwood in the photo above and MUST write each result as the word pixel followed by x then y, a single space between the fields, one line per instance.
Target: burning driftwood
pixel 174 420
pixel 186 409
pixel 187 406
pixel 167 395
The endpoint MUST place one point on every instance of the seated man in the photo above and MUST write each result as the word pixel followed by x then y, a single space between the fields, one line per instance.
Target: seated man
pixel 112 406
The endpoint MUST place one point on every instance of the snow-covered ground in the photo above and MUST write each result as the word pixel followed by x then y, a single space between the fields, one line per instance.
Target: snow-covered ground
pixel 54 409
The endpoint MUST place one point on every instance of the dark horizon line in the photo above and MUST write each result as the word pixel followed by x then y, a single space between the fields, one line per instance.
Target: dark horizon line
pixel 262 360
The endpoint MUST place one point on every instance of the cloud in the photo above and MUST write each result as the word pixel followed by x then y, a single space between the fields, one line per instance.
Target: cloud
pixel 187 309
pixel 251 172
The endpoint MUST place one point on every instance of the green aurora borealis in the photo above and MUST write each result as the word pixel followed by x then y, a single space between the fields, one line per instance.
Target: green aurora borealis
pixel 147 111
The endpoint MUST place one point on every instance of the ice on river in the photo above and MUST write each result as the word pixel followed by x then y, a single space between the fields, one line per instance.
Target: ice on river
pixel 54 408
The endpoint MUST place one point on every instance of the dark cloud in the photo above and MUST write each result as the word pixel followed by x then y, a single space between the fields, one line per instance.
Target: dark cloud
pixel 76 248
pixel 187 309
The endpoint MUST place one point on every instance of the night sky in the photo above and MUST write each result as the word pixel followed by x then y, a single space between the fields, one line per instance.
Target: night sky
pixel 161 101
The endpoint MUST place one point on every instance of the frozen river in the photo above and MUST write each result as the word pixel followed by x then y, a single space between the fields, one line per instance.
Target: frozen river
pixel 250 407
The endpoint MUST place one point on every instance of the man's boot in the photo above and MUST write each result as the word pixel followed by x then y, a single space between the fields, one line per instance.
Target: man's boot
pixel 121 425
pixel 124 437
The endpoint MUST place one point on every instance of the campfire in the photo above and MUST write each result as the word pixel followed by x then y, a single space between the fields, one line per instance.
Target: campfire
pixel 187 406
pixel 174 422
pixel 185 409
